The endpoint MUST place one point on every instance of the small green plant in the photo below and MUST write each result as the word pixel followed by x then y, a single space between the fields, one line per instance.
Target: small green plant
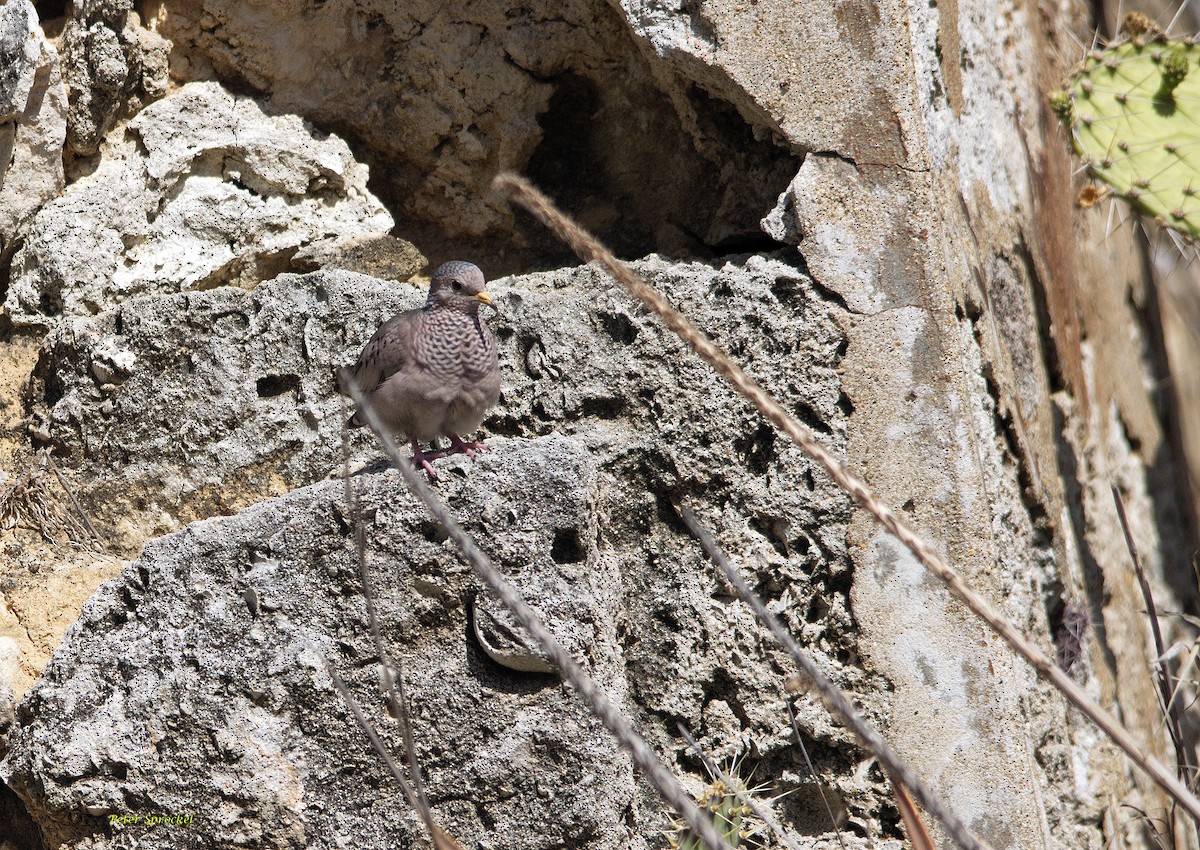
pixel 735 820
pixel 1133 111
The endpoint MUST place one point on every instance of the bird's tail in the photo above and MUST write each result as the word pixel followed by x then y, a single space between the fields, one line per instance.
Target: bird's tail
pixel 354 421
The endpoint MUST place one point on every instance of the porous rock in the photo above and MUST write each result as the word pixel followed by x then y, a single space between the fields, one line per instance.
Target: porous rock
pixel 217 397
pixel 33 119
pixel 447 93
pixel 201 189
pixel 112 64
pixel 195 684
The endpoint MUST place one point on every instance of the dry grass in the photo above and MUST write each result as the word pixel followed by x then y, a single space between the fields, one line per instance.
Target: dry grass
pixel 39 500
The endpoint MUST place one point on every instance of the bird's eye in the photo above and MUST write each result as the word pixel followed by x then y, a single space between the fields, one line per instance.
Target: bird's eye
pixel 457 285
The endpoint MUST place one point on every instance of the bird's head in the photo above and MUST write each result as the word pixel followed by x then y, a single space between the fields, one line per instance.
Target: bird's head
pixel 458 284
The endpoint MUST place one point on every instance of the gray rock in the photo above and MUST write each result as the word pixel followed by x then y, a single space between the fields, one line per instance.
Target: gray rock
pixel 213 400
pixel 33 120
pixel 559 582
pixel 112 65
pixel 375 254
pixel 170 682
pixel 216 398
pixel 201 189
pixel 10 659
pixel 559 90
pixel 780 223
pixel 978 395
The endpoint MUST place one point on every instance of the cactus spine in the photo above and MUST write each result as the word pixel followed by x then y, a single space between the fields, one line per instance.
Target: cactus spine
pixel 736 821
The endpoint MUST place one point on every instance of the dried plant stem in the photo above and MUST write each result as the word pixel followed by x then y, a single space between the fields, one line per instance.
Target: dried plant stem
pixel 441 841
pixel 1166 691
pixel 1163 677
pixel 391 671
pixel 833 697
pixel 813 773
pixel 62 482
pixel 918 834
pixel 591 693
pixel 589 249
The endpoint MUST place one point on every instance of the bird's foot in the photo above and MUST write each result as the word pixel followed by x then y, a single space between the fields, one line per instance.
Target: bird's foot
pixel 421 460
pixel 469 449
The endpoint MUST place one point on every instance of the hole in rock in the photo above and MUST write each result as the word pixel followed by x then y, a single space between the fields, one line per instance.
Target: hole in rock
pixel 433 532
pixel 603 408
pixel 619 327
pixel 270 386
pixel 48 11
pixel 630 173
pixel 758 449
pixel 22 832
pixel 567 547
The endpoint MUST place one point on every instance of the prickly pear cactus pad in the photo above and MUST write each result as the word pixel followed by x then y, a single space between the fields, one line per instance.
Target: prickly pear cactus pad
pixel 1133 110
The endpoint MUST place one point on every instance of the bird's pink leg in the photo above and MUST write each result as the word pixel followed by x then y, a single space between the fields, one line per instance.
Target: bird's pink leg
pixel 469 449
pixel 420 461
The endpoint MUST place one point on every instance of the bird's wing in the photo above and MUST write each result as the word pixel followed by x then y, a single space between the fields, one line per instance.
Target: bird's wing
pixel 387 352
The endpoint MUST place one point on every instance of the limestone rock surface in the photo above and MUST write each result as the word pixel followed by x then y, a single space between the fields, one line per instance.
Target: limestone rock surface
pixel 947 320
pixel 203 666
pixel 33 119
pixel 446 94
pixel 201 189
pixel 113 65
pixel 191 404
pixel 204 402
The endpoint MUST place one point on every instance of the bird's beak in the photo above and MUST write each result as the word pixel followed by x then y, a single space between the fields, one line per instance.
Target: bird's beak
pixel 485 298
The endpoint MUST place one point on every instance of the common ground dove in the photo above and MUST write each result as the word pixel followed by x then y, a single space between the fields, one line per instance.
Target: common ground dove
pixel 433 371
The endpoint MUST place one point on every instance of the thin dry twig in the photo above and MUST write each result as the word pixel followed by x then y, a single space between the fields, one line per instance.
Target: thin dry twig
pixel 591 693
pixel 393 675
pixel 1163 672
pixel 1156 834
pixel 62 482
pixel 832 696
pixel 813 773
pixel 918 833
pixel 589 249
pixel 735 787
pixel 441 840
pixel 27 500
pixel 1189 659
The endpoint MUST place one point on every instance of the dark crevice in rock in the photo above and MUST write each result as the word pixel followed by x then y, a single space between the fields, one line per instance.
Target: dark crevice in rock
pixel 568 547
pixel 811 418
pixel 6 269
pixel 1092 573
pixel 1009 432
pixel 827 294
pixel 1037 289
pixel 775 530
pixel 603 408
pixel 49 10
pixel 21 832
pixel 757 448
pixel 619 327
pixel 270 386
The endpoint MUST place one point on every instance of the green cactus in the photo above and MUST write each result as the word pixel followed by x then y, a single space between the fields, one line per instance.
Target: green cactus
pixel 735 820
pixel 1133 110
